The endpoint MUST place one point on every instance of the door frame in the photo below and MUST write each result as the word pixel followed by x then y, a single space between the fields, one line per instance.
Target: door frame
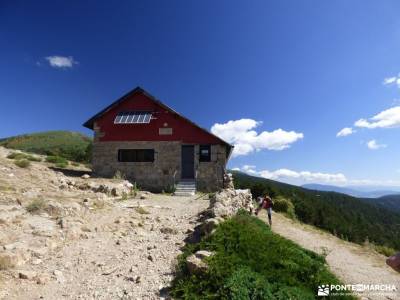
pixel 182 164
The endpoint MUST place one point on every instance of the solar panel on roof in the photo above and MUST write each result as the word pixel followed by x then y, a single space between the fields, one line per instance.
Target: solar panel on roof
pixel 133 117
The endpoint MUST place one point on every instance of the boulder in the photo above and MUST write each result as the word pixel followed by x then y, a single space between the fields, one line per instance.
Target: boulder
pixel 210 224
pixel 26 274
pixel 85 176
pixel 228 202
pixel 16 258
pixel 195 263
pixel 59 276
pixel 42 278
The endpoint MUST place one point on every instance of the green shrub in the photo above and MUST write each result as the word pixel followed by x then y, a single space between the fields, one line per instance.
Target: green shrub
pixel 247 284
pixel 141 210
pixel 119 175
pixel 23 163
pixel 251 262
pixel 124 196
pixel 19 156
pixel 387 251
pixel 56 159
pixel 61 165
pixel 134 190
pixel 16 155
pixel 36 205
pixel 169 189
pixel 284 205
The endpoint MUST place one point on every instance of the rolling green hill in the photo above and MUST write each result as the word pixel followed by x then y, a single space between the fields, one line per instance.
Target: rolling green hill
pixel 347 217
pixel 70 145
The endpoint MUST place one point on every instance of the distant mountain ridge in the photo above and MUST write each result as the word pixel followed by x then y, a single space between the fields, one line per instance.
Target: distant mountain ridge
pixel 391 202
pixel 350 191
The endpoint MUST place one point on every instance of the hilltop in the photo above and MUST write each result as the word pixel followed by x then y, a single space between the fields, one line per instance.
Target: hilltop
pixel 71 145
pixel 345 216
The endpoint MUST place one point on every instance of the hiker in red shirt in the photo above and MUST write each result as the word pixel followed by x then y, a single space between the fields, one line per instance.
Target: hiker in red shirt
pixel 266 203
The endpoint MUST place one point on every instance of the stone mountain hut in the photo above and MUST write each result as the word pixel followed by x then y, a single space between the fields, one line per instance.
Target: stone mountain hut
pixel 156 147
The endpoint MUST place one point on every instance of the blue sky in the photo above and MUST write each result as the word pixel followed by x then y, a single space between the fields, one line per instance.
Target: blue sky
pixel 309 68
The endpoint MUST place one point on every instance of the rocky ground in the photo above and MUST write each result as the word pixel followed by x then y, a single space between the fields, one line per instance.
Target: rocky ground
pixel 67 237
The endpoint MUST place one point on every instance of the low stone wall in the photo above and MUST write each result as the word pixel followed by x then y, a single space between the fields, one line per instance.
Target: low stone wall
pixel 224 205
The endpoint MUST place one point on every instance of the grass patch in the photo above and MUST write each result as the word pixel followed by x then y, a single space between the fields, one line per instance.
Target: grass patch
pixel 23 163
pixel 284 205
pixel 251 262
pixel 134 190
pixel 20 156
pixel 5 263
pixel 169 189
pixel 56 159
pixel 124 196
pixel 99 204
pixel 387 251
pixel 119 175
pixel 141 210
pixel 61 165
pixel 36 205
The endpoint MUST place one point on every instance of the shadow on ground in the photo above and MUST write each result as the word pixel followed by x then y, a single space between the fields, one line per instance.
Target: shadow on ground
pixel 71 173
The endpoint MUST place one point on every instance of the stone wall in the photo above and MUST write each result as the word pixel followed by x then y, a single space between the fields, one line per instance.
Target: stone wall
pixel 158 175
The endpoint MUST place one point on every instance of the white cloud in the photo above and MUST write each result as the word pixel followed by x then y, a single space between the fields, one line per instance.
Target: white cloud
pixel 345 132
pixel 246 140
pixel 373 145
pixel 388 118
pixel 302 177
pixel 392 80
pixel 61 61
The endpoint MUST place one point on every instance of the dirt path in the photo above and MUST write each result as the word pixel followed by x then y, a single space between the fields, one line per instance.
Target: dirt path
pixel 352 263
pixel 127 253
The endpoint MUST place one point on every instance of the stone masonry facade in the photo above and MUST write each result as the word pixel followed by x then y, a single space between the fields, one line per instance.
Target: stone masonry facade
pixel 165 171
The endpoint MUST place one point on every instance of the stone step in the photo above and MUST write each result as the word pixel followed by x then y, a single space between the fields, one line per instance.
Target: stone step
pixel 184 194
pixel 186 184
pixel 185 188
pixel 193 187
